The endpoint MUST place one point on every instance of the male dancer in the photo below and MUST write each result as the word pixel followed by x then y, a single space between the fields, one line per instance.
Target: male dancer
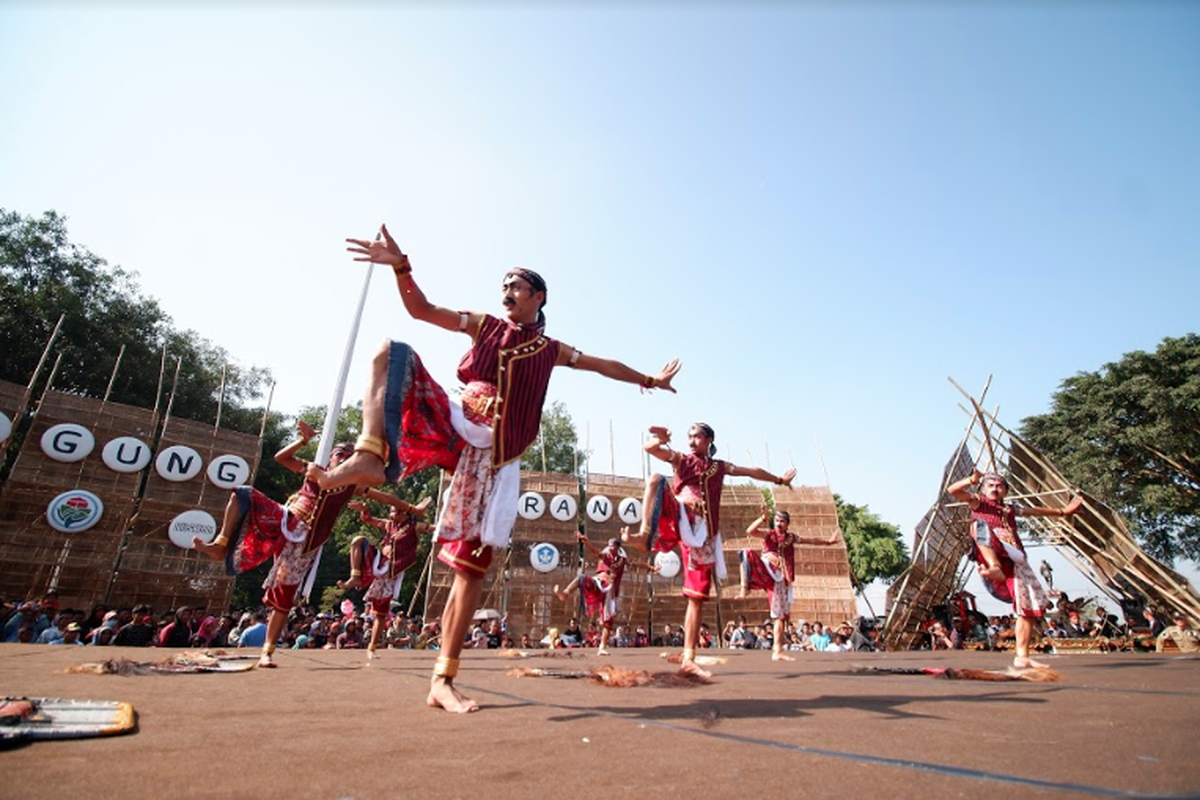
pixel 383 570
pixel 602 591
pixel 256 528
pixel 774 569
pixel 1002 563
pixel 691 513
pixel 409 423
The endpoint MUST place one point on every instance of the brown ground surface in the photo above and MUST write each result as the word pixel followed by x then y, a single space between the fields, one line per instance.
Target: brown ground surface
pixel 327 724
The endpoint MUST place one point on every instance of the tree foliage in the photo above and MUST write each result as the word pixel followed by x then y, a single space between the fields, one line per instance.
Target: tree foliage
pixel 557 447
pixel 1129 433
pixel 44 276
pixel 875 548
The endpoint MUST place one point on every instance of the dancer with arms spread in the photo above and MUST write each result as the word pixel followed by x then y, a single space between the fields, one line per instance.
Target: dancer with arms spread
pixel 688 512
pixel 774 569
pixel 409 423
pixel 255 528
pixel 602 591
pixel 382 569
pixel 1003 565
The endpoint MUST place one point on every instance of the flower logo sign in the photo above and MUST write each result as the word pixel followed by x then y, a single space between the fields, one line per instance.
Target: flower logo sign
pixel 74 511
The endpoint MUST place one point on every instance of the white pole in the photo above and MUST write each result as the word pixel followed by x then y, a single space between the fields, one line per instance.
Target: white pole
pixel 329 431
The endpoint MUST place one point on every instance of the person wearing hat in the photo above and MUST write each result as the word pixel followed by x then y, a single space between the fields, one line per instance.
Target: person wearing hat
pixel 774 568
pixel 1181 633
pixel 410 423
pixel 1003 565
pixel 602 590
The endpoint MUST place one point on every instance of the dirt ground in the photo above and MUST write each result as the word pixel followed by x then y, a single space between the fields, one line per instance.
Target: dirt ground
pixel 330 724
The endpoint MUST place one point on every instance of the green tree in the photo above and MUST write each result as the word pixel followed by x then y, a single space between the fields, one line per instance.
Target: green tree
pixel 875 548
pixel 1129 433
pixel 43 276
pixel 557 442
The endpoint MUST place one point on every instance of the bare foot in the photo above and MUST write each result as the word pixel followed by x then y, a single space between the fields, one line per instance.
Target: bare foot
pixel 741 595
pixel 354 583
pixel 214 551
pixel 603 651
pixel 692 668
pixel 1027 663
pixel 361 469
pixel 442 694
pixel 638 541
pixel 992 574
pixel 780 656
pixel 371 654
pixel 266 662
pixel 559 593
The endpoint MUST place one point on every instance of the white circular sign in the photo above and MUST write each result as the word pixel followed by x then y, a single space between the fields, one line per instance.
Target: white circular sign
pixel 228 471
pixel 178 463
pixel 543 557
pixel 564 507
pixel 531 505
pixel 5 427
pixel 68 442
pixel 74 511
pixel 599 508
pixel 192 523
pixel 126 454
pixel 630 511
pixel 668 564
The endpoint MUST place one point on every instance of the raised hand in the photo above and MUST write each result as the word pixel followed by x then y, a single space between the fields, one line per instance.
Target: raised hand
pixel 380 250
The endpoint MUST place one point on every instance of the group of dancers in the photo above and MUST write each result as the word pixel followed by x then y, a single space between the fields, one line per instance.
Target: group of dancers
pixel 410 423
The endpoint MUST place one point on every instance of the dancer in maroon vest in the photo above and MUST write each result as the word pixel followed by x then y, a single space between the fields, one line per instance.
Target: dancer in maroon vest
pixel 1002 563
pixel 602 591
pixel 410 423
pixel 382 569
pixel 774 569
pixel 690 514
pixel 255 528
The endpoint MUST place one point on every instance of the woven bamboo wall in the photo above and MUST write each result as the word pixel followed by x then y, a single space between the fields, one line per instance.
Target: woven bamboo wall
pixel 34 557
pixel 10 398
pixel 823 580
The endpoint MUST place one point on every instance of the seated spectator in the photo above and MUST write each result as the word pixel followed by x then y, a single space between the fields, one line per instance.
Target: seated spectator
pixel 178 632
pixel 1105 625
pixel 1184 637
pixel 942 639
pixel 71 635
pixel 27 616
pixel 1073 629
pixel 256 634
pixel 838 644
pixel 819 637
pixel 572 635
pixel 351 637
pixel 1052 630
pixel 1153 622
pixel 140 631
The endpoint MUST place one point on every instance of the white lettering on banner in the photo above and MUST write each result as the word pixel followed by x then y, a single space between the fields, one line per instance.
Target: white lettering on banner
pixel 67 442
pixel 564 507
pixel 228 471
pixel 531 506
pixel 178 463
pixel 630 511
pixel 599 508
pixel 126 454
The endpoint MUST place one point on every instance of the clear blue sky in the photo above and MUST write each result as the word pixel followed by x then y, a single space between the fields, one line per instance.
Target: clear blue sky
pixel 824 209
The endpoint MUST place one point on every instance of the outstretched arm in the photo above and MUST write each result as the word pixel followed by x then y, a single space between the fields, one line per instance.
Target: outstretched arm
pixel 757 529
pixel 1042 511
pixel 287 455
pixel 365 514
pixel 396 502
pixel 761 474
pixel 591 548
pixel 616 370
pixel 384 250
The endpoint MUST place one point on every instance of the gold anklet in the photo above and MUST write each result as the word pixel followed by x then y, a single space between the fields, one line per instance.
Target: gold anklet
pixel 689 654
pixel 373 445
pixel 445 667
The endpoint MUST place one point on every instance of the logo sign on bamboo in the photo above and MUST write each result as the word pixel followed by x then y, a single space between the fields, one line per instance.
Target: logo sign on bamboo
pixel 531 505
pixel 74 511
pixel 668 564
pixel 564 507
pixel 193 523
pixel 544 557
pixel 228 471
pixel 178 463
pixel 126 454
pixel 5 427
pixel 67 442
